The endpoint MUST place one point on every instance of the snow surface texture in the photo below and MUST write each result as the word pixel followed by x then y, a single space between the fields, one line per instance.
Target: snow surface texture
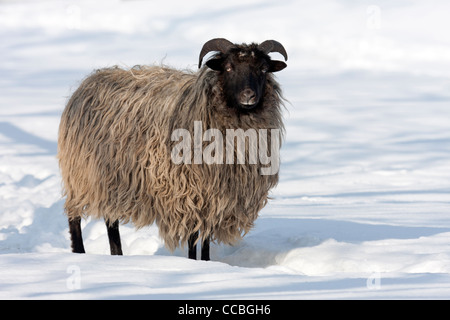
pixel 363 206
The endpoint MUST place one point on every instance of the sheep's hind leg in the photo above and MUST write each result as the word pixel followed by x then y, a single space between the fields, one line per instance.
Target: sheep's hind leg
pixel 75 235
pixel 205 249
pixel 192 246
pixel 114 237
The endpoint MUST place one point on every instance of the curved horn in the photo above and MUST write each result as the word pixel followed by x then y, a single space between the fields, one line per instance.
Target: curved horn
pixel 217 44
pixel 273 46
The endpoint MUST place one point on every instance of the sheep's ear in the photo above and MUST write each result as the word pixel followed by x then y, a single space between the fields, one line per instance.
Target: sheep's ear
pixel 276 66
pixel 215 64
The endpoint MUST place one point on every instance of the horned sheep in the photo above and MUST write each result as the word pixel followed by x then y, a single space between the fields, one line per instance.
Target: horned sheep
pixel 116 147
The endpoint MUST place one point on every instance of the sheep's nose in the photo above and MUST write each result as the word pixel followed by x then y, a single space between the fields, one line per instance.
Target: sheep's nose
pixel 248 97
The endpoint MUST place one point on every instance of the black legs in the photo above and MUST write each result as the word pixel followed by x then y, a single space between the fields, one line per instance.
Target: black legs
pixel 193 248
pixel 77 239
pixel 114 238
pixel 75 235
pixel 192 253
pixel 205 250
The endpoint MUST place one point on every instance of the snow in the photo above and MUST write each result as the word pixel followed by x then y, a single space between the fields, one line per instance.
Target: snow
pixel 362 207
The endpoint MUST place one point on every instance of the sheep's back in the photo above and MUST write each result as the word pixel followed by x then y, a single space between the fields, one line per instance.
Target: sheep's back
pixel 105 133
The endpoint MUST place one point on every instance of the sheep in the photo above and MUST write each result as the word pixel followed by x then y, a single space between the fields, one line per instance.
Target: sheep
pixel 116 147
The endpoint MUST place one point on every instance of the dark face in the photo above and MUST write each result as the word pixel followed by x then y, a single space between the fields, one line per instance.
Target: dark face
pixel 244 74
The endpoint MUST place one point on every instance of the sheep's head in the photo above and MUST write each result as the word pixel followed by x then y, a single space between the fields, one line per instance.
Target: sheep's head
pixel 243 69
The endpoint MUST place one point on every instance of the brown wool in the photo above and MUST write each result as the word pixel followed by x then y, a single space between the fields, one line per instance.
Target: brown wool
pixel 114 151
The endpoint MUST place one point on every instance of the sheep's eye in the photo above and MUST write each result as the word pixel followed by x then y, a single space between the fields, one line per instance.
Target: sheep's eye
pixel 264 70
pixel 228 67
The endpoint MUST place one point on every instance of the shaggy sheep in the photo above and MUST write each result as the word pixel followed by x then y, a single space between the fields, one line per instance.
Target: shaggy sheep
pixel 116 147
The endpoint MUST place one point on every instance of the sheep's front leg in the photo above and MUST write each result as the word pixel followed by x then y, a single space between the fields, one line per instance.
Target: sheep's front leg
pixel 114 237
pixel 192 246
pixel 205 249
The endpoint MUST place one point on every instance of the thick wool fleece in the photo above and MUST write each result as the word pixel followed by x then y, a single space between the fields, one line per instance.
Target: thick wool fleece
pixel 115 146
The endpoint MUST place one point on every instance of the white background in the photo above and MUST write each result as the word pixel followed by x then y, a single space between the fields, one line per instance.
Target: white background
pixel 362 209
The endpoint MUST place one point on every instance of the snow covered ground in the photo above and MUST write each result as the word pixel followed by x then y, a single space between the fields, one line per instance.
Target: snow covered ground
pixel 363 206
